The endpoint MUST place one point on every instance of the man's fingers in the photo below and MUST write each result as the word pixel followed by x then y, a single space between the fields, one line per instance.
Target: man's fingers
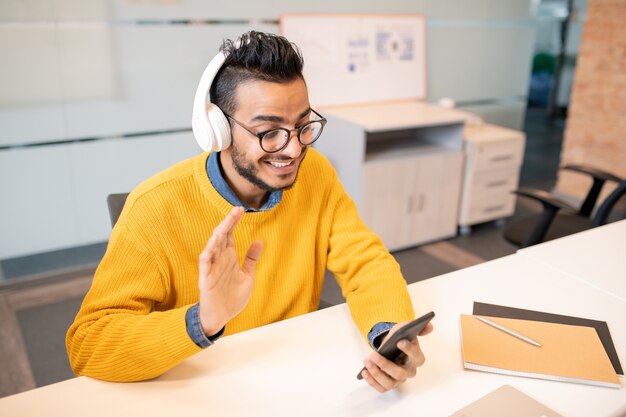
pixel 415 356
pixel 427 329
pixel 218 239
pixel 387 374
pixel 392 370
pixel 380 375
pixel 205 262
pixel 235 214
pixel 370 380
pixel 253 255
pixel 207 254
pixel 221 238
pixel 222 234
pixel 227 225
pixel 383 374
pixel 232 219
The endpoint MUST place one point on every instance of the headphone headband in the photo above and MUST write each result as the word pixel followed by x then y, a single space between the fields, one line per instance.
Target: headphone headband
pixel 204 86
pixel 210 127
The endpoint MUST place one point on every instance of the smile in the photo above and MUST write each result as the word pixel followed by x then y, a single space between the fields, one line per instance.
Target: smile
pixel 280 164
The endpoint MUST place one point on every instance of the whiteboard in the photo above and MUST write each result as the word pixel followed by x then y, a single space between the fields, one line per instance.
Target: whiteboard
pixel 363 58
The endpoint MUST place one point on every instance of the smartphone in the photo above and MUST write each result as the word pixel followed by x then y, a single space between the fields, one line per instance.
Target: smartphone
pixel 409 331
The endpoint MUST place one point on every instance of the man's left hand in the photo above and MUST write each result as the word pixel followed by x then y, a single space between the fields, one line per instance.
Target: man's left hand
pixel 385 375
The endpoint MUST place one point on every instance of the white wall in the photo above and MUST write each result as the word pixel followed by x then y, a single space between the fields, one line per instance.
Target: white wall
pixel 75 70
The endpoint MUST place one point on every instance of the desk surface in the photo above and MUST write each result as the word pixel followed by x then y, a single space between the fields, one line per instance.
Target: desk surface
pixel 596 256
pixel 307 365
pixel 409 114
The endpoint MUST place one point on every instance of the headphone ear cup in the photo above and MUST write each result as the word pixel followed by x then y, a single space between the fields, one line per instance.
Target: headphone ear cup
pixel 209 124
pixel 218 129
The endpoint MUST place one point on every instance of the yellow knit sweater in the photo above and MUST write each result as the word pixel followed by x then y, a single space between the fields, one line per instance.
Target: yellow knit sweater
pixel 131 325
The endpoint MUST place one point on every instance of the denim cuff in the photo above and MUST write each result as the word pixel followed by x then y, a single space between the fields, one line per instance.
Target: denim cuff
pixel 194 328
pixel 378 333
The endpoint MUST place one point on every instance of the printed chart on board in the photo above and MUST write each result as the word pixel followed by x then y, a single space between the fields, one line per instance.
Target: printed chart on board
pixel 360 58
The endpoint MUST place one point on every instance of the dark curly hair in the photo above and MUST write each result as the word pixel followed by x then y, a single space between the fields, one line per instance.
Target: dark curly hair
pixel 254 56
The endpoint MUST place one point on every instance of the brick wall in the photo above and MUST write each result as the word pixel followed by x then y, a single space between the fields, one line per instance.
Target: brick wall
pixel 596 126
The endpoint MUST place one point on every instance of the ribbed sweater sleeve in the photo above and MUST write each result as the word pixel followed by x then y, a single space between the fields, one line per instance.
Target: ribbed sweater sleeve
pixel 118 336
pixel 369 276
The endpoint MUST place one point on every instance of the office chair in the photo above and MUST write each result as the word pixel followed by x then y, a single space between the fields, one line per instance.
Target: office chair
pixel 116 204
pixel 559 218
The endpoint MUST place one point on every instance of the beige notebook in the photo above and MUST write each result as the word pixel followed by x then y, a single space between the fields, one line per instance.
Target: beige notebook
pixel 506 401
pixel 568 353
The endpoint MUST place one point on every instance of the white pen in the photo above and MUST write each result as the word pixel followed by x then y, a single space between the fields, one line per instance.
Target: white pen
pixel 508 331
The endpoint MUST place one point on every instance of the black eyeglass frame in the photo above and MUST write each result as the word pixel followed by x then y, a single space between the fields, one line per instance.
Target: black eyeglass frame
pixel 298 131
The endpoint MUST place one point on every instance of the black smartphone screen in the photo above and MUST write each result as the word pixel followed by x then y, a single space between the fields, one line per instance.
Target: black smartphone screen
pixel 409 331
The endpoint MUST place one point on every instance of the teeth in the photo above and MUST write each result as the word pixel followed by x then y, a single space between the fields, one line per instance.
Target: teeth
pixel 279 164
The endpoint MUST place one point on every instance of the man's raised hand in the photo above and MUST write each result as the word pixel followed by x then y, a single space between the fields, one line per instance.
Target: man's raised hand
pixel 225 288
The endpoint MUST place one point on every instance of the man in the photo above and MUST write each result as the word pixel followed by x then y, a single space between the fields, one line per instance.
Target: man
pixel 277 217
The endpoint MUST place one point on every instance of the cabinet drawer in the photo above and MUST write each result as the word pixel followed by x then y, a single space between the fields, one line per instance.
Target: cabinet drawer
pixel 497 155
pixel 490 208
pixel 491 184
pixel 488 196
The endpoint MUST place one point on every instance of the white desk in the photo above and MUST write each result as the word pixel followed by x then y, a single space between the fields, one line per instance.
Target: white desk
pixel 307 366
pixel 596 256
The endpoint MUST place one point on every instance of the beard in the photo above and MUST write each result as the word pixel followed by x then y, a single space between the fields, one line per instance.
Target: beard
pixel 248 170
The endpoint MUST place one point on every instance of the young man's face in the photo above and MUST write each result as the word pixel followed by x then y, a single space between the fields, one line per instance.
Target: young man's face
pixel 262 106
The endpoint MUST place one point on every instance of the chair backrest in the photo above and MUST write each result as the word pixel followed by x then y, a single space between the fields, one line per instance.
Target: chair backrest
pixel 607 205
pixel 116 204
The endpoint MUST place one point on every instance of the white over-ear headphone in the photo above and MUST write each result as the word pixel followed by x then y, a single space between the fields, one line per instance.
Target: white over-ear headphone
pixel 210 126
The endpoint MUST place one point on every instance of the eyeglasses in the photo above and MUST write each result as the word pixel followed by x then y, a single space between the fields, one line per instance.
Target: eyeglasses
pixel 274 140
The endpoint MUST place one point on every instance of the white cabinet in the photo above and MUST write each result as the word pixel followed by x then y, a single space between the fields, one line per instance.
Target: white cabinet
pixel 62 203
pixel 493 160
pixel 413 197
pixel 402 164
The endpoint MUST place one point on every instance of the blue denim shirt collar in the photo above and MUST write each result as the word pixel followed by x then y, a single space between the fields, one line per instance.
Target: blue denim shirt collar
pixel 217 179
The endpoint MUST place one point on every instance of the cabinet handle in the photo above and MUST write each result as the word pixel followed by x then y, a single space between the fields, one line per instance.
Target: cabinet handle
pixel 493 208
pixel 413 206
pixel 496 183
pixel 501 158
pixel 420 203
